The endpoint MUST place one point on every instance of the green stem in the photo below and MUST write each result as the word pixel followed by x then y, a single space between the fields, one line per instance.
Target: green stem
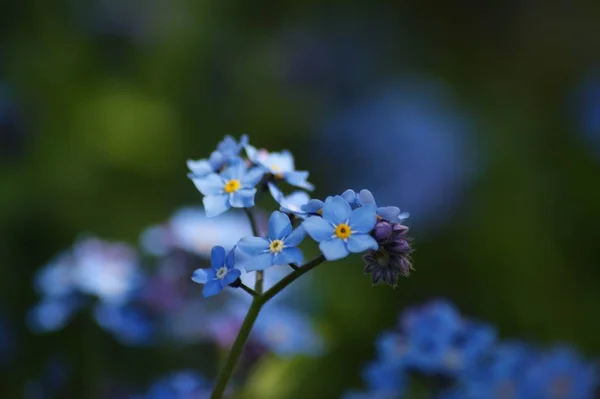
pixel 258 287
pixel 248 290
pixel 244 333
pixel 236 349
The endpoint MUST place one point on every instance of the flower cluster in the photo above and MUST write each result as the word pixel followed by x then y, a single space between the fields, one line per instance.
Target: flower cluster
pixel 463 359
pixel 342 224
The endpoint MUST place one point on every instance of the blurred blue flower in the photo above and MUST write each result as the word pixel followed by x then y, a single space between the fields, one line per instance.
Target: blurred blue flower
pixel 586 103
pixel 190 230
pixel 184 384
pixel 53 313
pixel 422 144
pixel 220 275
pixel 342 230
pixel 227 152
pixel 129 324
pixel 234 187
pixel 286 332
pixel 280 246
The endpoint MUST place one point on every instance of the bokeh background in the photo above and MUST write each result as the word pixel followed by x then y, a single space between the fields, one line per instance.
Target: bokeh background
pixel 481 121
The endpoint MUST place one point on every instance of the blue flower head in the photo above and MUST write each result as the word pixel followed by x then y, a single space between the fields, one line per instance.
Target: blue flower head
pixel 389 213
pixel 228 151
pixel 233 188
pixel 280 246
pixel 281 166
pixel 221 273
pixel 342 230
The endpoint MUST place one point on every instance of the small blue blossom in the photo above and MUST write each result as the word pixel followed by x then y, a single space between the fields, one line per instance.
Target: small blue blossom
pixel 220 275
pixel 293 203
pixel 341 230
pixel 281 166
pixel 234 187
pixel 228 151
pixel 53 313
pixel 129 324
pixel 389 213
pixel 280 246
pixel 313 207
pixel 286 332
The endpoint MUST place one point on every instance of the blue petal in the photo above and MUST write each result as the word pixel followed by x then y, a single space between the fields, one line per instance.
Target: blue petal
pixel 296 237
pixel 293 203
pixel 313 206
pixel 209 185
pixel 200 276
pixel 363 219
pixel 319 229
pixel 358 243
pixel 333 249
pixel 279 226
pixel 389 213
pixel 234 171
pixel 230 261
pixel 350 196
pixel 200 167
pixel 290 255
pixel 230 277
pixel 259 262
pixel 403 216
pixel 217 257
pixel 215 205
pixel 337 210
pixel 275 192
pixel 253 245
pixel 253 176
pixel 298 179
pixel 243 198
pixel 213 287
pixel 365 198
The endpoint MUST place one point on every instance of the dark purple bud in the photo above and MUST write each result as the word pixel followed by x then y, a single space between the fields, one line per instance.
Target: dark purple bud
pixel 400 229
pixel 383 231
pixel 399 245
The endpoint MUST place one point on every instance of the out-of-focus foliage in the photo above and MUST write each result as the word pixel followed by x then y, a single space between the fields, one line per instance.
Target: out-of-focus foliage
pixel 482 119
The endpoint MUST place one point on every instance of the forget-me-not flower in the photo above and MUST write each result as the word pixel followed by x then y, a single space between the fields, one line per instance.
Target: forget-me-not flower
pixel 233 188
pixel 220 275
pixel 281 166
pixel 389 213
pixel 342 230
pixel 227 152
pixel 280 246
pixel 292 204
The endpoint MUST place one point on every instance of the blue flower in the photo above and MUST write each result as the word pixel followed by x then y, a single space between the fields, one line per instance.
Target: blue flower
pixel 313 207
pixel 278 248
pixel 221 273
pixel 228 151
pixel 389 213
pixel 286 332
pixel 281 166
pixel 130 324
pixel 342 230
pixel 234 187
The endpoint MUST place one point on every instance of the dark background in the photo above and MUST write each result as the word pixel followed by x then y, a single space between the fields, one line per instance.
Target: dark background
pixel 479 120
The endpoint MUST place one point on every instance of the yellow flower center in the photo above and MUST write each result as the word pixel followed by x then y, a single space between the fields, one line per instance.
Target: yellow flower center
pixel 320 212
pixel 276 170
pixel 276 246
pixel 343 231
pixel 232 186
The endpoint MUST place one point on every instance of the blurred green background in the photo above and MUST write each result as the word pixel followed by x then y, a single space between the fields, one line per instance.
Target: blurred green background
pixel 105 100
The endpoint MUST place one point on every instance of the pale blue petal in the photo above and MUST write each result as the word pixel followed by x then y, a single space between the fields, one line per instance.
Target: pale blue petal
pixel 313 206
pixel 279 225
pixel 200 276
pixel 275 192
pixel 253 245
pixel 403 216
pixel 337 210
pixel 298 179
pixel 213 287
pixel 230 261
pixel 290 255
pixel 253 176
pixel 215 205
pixel 358 243
pixel 296 237
pixel 209 185
pixel 365 197
pixel 389 213
pixel 259 262
pixel 234 171
pixel 200 167
pixel 294 202
pixel 243 198
pixel 363 219
pixel 333 249
pixel 318 228
pixel 350 196
pixel 217 257
pixel 250 152
pixel 230 277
